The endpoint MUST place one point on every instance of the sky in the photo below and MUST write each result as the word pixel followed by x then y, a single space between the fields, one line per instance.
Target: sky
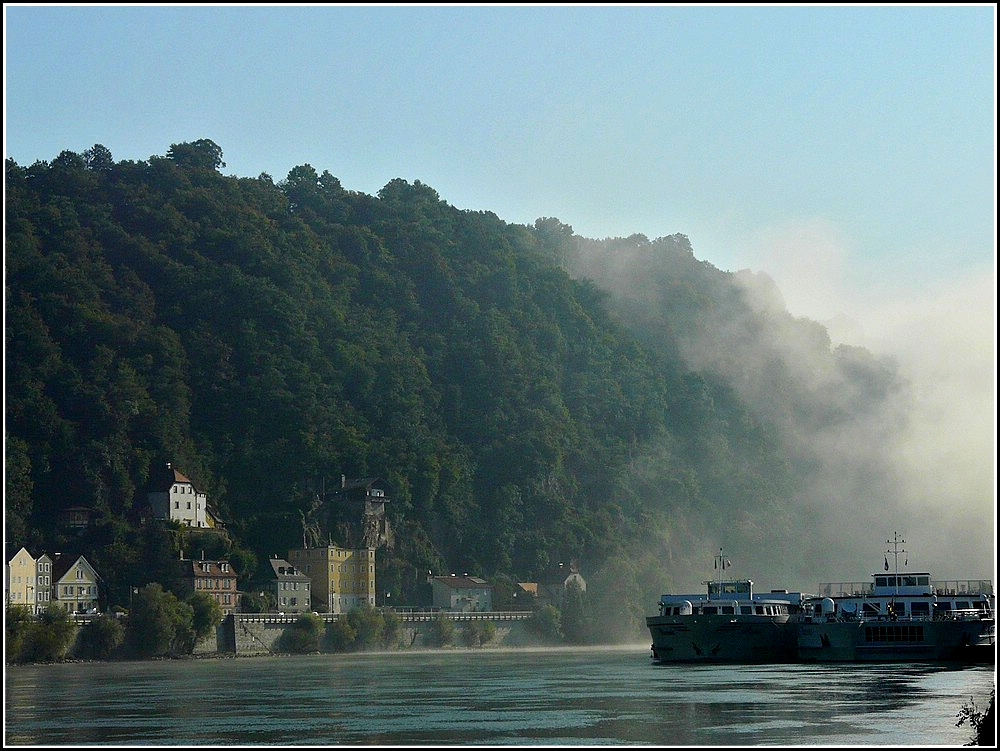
pixel 849 152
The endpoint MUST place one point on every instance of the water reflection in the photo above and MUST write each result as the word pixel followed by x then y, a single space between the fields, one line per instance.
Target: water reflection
pixel 503 697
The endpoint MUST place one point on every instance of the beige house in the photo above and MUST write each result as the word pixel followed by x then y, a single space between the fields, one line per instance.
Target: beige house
pixel 341 578
pixel 75 584
pixel 19 580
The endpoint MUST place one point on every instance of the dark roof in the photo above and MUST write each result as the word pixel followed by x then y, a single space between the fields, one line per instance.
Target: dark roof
pixel 63 563
pixel 164 477
pixel 284 570
pixel 463 582
pixel 194 568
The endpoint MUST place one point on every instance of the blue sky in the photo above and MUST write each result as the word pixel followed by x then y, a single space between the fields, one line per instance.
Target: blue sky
pixel 847 151
pixel 727 124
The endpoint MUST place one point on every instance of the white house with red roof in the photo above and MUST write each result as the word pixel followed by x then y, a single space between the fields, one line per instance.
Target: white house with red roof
pixel 172 495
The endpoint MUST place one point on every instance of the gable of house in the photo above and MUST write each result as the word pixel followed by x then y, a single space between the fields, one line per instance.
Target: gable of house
pixel 75 584
pixel 19 579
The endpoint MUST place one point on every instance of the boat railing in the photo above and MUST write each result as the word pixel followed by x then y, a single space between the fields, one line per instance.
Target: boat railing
pixel 963 587
pixel 845 589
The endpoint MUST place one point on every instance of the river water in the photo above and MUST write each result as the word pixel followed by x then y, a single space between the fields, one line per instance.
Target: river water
pixel 502 697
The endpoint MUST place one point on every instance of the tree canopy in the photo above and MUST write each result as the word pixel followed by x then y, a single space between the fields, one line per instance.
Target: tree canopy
pixel 269 337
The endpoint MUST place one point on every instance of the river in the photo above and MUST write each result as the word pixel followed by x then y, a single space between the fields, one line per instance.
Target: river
pixel 501 697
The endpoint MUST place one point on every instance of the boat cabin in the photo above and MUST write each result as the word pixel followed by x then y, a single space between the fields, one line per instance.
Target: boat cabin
pixel 734 597
pixel 902 584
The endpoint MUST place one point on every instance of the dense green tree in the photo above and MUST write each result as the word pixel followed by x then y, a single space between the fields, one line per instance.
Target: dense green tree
pixel 49 637
pixel 529 395
pixel 100 638
pixel 206 613
pixel 574 615
pixel 368 625
pixel 158 623
pixel 302 636
pixel 17 623
pixel 341 635
pixel 547 623
pixel 392 628
pixel 478 633
pixel 441 630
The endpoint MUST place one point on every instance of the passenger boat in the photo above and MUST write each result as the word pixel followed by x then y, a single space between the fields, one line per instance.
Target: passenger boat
pixel 899 617
pixel 727 624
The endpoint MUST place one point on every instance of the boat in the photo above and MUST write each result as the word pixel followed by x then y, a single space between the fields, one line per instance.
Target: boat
pixel 899 617
pixel 728 623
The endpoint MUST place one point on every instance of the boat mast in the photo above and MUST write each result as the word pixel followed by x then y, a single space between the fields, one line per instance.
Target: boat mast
pixel 720 565
pixel 896 541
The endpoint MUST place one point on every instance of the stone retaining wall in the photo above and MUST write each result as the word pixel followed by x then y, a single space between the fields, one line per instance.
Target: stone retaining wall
pixel 259 634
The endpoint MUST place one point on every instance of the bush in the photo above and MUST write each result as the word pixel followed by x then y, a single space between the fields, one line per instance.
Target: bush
pixel 159 623
pixel 100 638
pixel 341 635
pixel 17 626
pixel 478 633
pixel 303 636
pixel 442 630
pixel 983 723
pixel 206 614
pixel 547 623
pixel 49 636
pixel 393 628
pixel 368 625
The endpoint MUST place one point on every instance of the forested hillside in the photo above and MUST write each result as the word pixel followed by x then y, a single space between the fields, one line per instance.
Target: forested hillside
pixel 527 396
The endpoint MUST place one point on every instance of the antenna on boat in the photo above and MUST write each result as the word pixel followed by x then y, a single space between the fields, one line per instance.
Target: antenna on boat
pixel 721 564
pixel 896 541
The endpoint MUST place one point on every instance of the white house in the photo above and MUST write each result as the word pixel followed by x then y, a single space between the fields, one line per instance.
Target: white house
pixel 172 495
pixel 463 593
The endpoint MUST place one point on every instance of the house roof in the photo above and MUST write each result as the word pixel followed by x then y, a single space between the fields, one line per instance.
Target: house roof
pixel 12 557
pixel 63 563
pixel 165 476
pixel 195 568
pixel 463 582
pixel 284 570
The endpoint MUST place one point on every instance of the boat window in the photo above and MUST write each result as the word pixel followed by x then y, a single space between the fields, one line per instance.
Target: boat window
pixel 920 608
pixel 909 581
pixel 923 580
pixel 962 605
pixel 728 610
pixel 882 581
pixel 760 610
pixel 710 610
pixel 746 610
pixel 871 608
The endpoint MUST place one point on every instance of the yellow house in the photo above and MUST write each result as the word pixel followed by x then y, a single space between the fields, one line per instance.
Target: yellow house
pixel 342 578
pixel 20 580
pixel 75 584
